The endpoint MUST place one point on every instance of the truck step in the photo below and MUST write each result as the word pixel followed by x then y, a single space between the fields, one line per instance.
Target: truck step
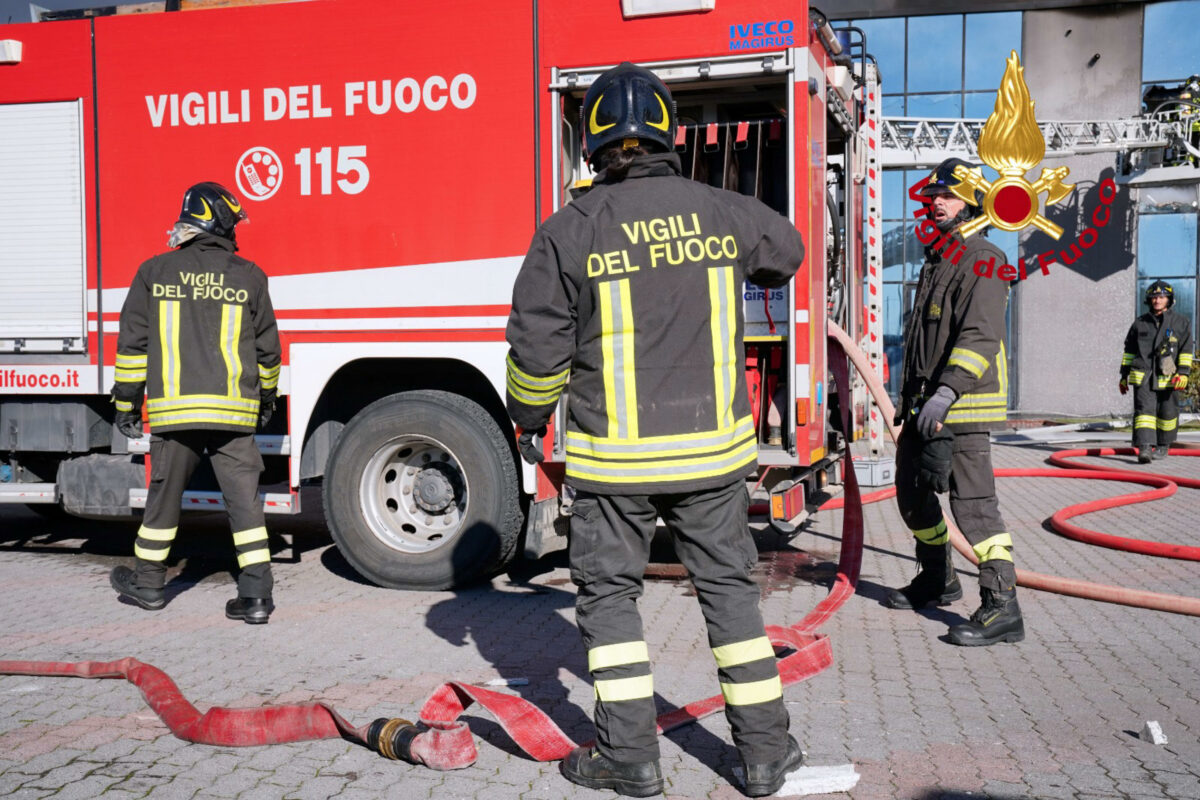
pixel 28 493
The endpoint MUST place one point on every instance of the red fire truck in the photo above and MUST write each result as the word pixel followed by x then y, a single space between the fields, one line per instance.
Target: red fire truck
pixel 395 159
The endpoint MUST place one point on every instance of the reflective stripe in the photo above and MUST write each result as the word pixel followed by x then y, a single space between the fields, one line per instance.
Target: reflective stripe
pixel 200 416
pixel 994 548
pixel 614 655
pixel 254 557
pixel 157 534
pixel 258 534
pixel 124 405
pixel 231 334
pixel 1126 359
pixel 268 377
pixel 1185 359
pixel 672 470
pixel 1145 421
pixel 534 391
pixel 723 324
pixel 969 360
pixel 616 336
pixel 935 535
pixel 530 382
pixel 982 414
pixel 150 555
pixel 730 655
pixel 247 405
pixel 1136 376
pixel 618 689
pixel 168 342
pixel 984 406
pixel 657 446
pixel 131 368
pixel 745 694
pixel 1167 424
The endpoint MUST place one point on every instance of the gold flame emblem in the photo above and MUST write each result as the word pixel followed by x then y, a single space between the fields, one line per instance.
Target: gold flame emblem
pixel 1011 144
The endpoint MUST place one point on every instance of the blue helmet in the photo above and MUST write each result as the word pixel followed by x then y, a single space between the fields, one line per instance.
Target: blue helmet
pixel 627 102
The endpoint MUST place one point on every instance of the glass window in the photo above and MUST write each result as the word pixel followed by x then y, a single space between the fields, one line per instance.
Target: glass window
pixel 935 105
pixel 990 38
pixel 885 41
pixel 1169 52
pixel 1166 245
pixel 892 105
pixel 1006 241
pixel 979 105
pixel 935 54
pixel 1185 298
pixel 1171 199
pixel 894 195
pixel 893 250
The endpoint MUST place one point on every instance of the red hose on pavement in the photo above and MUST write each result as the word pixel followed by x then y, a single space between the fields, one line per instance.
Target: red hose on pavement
pixel 1034 580
pixel 446 741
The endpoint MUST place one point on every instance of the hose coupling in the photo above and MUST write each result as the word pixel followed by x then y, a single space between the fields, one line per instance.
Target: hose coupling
pixel 393 738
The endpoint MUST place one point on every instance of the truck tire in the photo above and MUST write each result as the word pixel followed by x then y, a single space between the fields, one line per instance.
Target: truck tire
pixel 421 492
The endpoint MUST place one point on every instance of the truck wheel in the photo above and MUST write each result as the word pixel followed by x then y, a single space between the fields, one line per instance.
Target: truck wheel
pixel 421 492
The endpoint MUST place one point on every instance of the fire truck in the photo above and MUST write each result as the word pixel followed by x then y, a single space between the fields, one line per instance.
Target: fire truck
pixel 394 160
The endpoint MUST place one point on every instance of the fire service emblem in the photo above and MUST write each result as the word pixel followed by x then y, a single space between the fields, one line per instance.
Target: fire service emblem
pixel 1011 143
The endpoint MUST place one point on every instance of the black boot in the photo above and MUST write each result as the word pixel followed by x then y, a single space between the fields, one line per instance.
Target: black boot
pixel 251 610
pixel 125 581
pixel 998 619
pixel 766 779
pixel 1143 454
pixel 1160 451
pixel 936 582
pixel 586 767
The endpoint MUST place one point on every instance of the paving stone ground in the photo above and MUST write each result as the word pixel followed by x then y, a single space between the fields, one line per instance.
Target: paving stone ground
pixel 1053 717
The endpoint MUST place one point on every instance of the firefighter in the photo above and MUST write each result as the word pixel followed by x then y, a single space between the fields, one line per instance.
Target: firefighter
pixel 1157 363
pixel 198 338
pixel 954 390
pixel 633 294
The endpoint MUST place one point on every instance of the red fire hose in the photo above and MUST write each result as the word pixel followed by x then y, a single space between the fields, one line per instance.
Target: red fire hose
pixel 444 741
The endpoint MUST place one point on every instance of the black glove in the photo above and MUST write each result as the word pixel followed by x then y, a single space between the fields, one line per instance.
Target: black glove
pixel 934 411
pixel 129 424
pixel 531 453
pixel 933 465
pixel 265 409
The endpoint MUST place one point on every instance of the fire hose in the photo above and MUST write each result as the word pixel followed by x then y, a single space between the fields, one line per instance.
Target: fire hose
pixel 443 740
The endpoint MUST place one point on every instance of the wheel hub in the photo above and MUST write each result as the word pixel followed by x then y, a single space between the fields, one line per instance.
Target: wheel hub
pixel 433 489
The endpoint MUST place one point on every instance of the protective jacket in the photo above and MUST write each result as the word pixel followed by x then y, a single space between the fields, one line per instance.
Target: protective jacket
pixel 633 292
pixel 955 337
pixel 1157 347
pixel 198 337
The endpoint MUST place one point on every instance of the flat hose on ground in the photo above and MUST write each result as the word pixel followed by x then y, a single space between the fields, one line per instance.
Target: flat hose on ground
pixel 443 741
pixel 1034 580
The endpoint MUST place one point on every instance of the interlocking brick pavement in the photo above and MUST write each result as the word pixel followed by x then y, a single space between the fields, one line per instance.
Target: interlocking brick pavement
pixel 1053 717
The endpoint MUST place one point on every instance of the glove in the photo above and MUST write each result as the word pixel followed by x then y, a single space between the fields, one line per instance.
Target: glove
pixel 129 424
pixel 1179 381
pixel 934 411
pixel 1123 386
pixel 933 465
pixel 531 453
pixel 266 408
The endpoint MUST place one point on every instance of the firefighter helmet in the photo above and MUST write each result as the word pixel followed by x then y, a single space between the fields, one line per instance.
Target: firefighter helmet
pixel 1161 288
pixel 213 208
pixel 627 102
pixel 942 179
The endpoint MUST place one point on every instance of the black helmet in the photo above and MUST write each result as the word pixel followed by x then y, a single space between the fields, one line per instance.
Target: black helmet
pixel 627 102
pixel 1163 288
pixel 942 180
pixel 213 208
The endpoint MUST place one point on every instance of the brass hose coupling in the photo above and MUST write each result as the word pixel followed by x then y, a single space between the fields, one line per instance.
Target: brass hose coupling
pixel 393 738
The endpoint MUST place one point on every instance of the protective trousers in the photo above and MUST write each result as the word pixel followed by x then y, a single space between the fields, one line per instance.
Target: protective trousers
pixel 237 464
pixel 1155 414
pixel 609 549
pixel 972 501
